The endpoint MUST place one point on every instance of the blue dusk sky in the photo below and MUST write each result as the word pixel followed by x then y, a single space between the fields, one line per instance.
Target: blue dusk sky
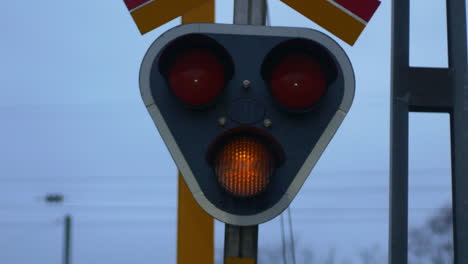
pixel 72 121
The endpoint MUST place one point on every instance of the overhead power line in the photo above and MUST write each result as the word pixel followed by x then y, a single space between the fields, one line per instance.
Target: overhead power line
pixel 291 232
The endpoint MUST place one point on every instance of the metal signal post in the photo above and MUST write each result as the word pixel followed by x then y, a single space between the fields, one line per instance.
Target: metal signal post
pixel 250 12
pixel 417 89
pixel 457 58
pixel 241 242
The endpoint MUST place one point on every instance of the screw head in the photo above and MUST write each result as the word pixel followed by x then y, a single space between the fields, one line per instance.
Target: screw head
pixel 267 123
pixel 222 121
pixel 246 84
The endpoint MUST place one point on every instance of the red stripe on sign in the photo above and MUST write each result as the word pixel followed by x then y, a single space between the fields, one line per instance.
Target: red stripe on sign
pixel 131 4
pixel 362 8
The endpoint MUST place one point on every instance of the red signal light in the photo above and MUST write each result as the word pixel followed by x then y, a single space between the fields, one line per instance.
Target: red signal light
pixel 244 166
pixel 298 81
pixel 197 77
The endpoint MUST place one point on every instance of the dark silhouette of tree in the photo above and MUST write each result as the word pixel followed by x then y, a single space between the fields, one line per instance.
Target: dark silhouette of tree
pixel 331 257
pixel 372 255
pixel 433 241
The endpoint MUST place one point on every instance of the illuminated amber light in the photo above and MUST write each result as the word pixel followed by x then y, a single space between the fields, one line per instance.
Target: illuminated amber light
pixel 244 166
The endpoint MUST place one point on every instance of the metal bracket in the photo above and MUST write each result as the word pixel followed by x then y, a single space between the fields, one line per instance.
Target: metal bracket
pixel 430 90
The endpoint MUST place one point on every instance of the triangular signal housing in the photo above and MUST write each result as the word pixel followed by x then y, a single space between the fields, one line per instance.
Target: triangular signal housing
pixel 189 133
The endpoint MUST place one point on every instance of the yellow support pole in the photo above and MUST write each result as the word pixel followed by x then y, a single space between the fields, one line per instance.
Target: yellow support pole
pixel 195 228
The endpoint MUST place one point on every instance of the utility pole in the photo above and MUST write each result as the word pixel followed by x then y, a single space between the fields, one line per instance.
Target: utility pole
pixel 67 240
pixel 56 198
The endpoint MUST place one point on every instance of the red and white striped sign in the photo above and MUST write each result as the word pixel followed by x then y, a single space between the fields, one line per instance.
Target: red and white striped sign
pixel 346 19
pixel 150 14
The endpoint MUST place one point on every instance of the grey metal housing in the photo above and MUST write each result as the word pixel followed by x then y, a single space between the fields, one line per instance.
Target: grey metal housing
pixel 148 97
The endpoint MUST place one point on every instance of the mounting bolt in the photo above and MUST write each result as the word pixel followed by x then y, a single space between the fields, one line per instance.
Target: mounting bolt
pixel 246 84
pixel 222 121
pixel 267 123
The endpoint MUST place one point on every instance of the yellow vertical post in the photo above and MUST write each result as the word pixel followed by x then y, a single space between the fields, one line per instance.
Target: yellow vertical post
pixel 195 228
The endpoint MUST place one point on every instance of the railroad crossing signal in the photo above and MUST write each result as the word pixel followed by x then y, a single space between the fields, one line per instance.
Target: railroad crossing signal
pixel 246 111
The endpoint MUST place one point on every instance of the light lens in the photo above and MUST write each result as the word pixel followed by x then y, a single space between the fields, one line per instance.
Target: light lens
pixel 197 77
pixel 244 166
pixel 298 81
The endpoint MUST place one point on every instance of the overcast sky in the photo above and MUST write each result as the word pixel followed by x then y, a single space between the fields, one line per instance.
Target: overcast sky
pixel 72 121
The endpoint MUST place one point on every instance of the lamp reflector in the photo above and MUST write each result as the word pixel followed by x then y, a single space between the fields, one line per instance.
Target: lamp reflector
pixel 197 77
pixel 298 81
pixel 244 166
